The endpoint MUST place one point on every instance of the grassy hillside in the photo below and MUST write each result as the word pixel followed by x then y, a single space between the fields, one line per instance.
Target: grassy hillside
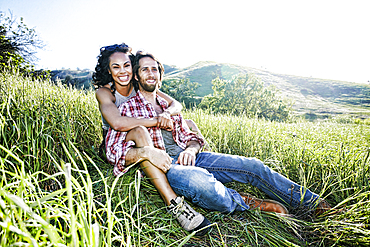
pixel 56 191
pixel 204 73
pixel 311 95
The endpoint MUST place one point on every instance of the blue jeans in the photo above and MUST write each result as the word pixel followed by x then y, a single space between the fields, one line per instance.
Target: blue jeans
pixel 203 184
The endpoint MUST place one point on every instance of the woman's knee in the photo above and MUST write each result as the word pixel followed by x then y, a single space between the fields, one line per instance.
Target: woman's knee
pixel 140 135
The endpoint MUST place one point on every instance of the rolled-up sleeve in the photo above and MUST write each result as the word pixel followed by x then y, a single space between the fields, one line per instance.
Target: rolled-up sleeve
pixel 182 134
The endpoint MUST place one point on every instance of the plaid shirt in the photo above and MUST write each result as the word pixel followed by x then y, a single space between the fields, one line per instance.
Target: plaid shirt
pixel 139 107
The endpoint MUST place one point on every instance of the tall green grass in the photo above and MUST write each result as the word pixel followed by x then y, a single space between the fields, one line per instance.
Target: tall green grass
pixel 322 153
pixel 56 191
pixel 38 116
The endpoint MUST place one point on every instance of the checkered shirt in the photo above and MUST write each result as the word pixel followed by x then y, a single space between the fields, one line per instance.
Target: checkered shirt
pixel 139 107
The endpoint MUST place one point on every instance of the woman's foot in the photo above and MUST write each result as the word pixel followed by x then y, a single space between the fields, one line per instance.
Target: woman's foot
pixel 188 218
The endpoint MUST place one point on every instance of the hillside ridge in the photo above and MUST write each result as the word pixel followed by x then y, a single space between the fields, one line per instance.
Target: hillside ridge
pixel 311 95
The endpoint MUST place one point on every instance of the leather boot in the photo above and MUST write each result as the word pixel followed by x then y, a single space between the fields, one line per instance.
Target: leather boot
pixel 263 204
pixel 322 207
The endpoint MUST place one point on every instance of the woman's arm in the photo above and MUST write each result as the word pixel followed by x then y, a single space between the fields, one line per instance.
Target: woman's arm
pixel 174 107
pixel 112 115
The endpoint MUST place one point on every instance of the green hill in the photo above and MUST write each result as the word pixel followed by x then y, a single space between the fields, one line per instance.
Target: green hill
pixel 311 95
pixel 77 78
pixel 204 73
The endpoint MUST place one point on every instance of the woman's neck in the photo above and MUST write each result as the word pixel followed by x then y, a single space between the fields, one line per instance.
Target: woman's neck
pixel 124 90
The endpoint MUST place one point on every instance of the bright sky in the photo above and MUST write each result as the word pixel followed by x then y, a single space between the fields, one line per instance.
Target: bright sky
pixel 323 39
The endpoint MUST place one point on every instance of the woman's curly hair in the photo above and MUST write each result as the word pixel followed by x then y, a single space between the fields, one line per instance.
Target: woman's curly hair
pixel 101 76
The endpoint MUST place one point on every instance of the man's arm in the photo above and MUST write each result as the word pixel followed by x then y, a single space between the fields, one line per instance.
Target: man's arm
pixel 156 156
pixel 187 157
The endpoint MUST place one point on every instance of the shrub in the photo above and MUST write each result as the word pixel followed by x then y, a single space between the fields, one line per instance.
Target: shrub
pixel 248 95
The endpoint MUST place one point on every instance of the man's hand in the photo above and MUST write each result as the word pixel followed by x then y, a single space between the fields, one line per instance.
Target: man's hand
pixel 187 157
pixel 164 121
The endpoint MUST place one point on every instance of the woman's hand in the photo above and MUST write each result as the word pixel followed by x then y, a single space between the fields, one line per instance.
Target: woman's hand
pixel 160 159
pixel 164 121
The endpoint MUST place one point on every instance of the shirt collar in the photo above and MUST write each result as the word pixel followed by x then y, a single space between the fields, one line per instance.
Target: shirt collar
pixel 162 102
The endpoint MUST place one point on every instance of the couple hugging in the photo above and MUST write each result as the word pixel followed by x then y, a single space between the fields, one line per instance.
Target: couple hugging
pixel 143 125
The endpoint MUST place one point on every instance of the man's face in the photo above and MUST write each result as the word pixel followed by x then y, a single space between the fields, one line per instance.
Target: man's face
pixel 148 74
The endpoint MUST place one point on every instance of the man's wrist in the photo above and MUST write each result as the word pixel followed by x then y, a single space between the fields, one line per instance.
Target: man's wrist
pixel 136 154
pixel 192 149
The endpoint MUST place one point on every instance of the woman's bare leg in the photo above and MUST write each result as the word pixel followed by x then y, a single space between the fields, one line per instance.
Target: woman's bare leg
pixel 141 137
pixel 187 217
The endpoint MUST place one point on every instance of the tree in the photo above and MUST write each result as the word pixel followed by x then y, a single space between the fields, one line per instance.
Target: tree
pixel 18 44
pixel 246 95
pixel 68 80
pixel 182 90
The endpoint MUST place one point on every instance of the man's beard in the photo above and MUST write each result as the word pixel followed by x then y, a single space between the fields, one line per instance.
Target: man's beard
pixel 148 87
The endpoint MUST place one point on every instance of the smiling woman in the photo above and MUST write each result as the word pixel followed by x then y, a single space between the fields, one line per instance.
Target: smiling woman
pixel 113 80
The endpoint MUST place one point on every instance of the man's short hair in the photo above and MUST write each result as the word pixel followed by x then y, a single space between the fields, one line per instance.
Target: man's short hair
pixel 141 54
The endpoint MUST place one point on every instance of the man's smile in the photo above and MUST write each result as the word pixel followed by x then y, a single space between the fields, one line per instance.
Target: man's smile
pixel 151 81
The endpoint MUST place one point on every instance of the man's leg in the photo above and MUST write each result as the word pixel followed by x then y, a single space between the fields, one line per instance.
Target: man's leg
pixel 203 189
pixel 227 168
pixel 204 184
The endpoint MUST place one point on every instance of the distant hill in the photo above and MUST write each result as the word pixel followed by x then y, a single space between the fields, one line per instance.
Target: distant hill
pixel 311 95
pixel 77 78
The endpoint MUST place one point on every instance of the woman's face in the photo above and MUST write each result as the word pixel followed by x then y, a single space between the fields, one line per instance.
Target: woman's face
pixel 120 68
